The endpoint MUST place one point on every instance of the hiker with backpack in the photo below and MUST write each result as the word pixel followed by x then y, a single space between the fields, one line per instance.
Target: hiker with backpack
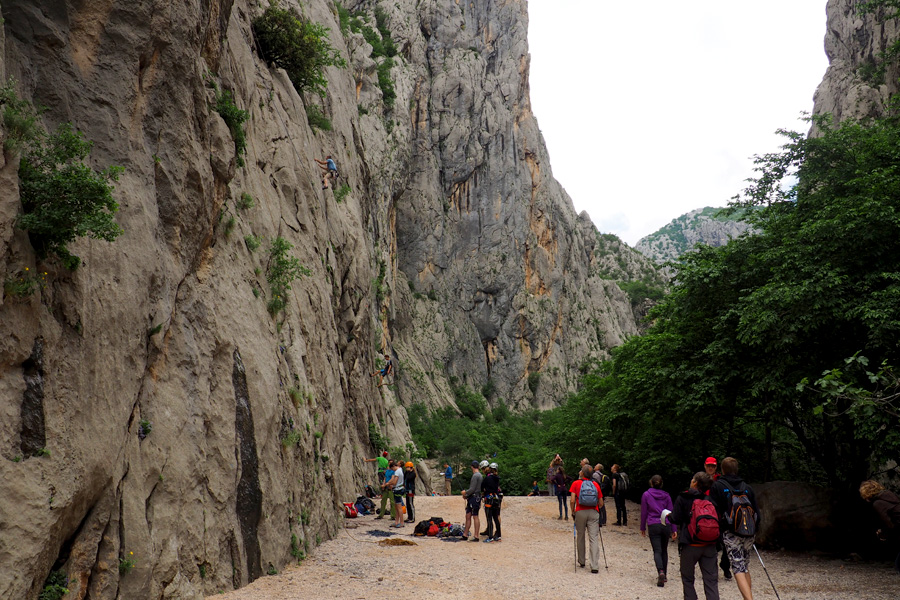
pixel 710 466
pixel 555 464
pixel 653 504
pixel 586 502
pixel 887 505
pixel 697 520
pixel 620 485
pixel 605 483
pixel 739 521
pixel 330 170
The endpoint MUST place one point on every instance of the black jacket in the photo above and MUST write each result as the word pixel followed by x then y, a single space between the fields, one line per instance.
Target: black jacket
pixel 681 513
pixel 887 505
pixel 719 494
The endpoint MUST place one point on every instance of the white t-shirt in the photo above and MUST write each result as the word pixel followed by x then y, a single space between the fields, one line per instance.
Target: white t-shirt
pixel 399 474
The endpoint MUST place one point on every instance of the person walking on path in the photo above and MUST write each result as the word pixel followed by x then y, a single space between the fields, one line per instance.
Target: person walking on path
pixel 586 505
pixel 654 501
pixel 710 466
pixel 619 487
pixel 562 492
pixel 605 486
pixel 695 551
pixel 730 495
pixel 381 465
pixel 491 487
pixel 473 503
pixel 555 464
pixel 387 491
pixel 448 478
pixel 410 482
pixel 887 506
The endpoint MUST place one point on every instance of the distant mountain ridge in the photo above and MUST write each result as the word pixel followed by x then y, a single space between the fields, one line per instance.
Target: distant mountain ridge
pixel 703 225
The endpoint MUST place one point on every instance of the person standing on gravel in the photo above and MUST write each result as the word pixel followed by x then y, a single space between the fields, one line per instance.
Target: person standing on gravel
pixel 695 551
pixel 586 513
pixel 410 482
pixel 473 502
pixel 605 486
pixel 562 492
pixel 492 498
pixel 653 503
pixel 387 491
pixel 619 486
pixel 555 464
pixel 399 490
pixel 448 478
pixel 381 465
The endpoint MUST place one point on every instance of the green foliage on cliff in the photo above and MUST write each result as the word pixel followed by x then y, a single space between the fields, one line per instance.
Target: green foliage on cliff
pixel 234 117
pixel 62 197
pixel 20 119
pixel 874 69
pixel 282 270
pixel 298 46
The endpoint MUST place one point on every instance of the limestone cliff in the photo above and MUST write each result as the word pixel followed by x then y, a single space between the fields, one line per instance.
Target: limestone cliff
pixel 454 250
pixel 700 226
pixel 854 44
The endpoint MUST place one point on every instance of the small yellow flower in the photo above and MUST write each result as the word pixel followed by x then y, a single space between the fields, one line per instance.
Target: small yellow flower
pixel 26 268
pixel 131 553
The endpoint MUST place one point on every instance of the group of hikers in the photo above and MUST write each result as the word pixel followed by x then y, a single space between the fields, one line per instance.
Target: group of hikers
pixel 717 513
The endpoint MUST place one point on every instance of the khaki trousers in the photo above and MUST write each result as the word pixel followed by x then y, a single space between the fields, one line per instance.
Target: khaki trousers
pixel 589 520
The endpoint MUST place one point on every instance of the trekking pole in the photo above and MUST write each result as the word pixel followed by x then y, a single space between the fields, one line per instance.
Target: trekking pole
pixel 574 547
pixel 600 529
pixel 767 571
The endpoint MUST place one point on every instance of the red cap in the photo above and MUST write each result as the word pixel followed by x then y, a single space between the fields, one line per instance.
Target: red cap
pixel 711 461
pixel 385 454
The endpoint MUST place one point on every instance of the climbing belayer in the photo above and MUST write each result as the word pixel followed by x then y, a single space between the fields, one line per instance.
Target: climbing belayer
pixel 329 168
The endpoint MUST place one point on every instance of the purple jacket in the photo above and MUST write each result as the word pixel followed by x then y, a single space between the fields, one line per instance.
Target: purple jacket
pixel 653 502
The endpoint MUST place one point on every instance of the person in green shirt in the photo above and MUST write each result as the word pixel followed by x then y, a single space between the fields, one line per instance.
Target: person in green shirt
pixel 381 464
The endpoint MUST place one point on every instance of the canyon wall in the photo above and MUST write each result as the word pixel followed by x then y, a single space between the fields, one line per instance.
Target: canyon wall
pixel 153 409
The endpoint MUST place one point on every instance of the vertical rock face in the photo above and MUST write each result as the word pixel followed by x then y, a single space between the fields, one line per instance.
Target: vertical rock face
pixel 153 410
pixel 853 41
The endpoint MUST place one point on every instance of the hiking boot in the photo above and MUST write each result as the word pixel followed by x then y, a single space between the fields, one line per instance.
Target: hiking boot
pixel 661 580
pixel 595 570
pixel 464 537
pixel 567 517
pixel 726 573
pixel 488 540
pixel 483 532
pixel 379 517
pixel 474 539
pixel 559 518
pixel 496 539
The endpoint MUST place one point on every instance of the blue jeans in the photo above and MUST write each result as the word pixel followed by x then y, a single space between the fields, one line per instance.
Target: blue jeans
pixel 562 503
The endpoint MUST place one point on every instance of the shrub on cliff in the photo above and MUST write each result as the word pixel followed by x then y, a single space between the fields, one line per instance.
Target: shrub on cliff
pixel 62 197
pixel 298 46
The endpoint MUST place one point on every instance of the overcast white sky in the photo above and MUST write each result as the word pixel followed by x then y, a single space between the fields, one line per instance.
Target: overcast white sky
pixel 652 109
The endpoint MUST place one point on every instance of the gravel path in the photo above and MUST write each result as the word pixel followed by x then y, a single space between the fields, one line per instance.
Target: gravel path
pixel 536 560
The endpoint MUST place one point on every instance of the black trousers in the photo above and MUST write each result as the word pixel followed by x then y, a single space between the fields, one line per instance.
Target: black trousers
pixel 621 513
pixel 659 541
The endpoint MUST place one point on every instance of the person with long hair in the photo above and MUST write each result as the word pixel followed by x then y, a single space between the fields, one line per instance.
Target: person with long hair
pixel 562 491
pixel 654 501
pixel 887 505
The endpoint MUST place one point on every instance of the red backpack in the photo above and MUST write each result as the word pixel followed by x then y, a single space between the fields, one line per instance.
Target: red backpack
pixel 704 524
pixel 350 510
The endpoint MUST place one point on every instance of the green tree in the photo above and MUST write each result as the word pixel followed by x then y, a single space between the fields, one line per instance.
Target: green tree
pixel 62 197
pixel 298 46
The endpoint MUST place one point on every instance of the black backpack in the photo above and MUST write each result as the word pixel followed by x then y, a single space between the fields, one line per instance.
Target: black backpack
pixel 740 516
pixel 623 482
